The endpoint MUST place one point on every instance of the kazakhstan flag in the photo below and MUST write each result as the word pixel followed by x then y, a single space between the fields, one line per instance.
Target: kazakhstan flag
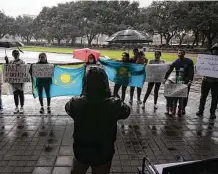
pixel 127 74
pixel 65 82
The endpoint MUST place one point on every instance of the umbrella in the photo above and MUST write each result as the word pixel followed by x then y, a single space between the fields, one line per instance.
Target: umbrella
pixel 129 36
pixel 82 54
pixel 11 44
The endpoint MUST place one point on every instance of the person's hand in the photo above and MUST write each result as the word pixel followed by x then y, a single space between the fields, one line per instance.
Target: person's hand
pixel 189 83
pixel 164 81
pixel 6 58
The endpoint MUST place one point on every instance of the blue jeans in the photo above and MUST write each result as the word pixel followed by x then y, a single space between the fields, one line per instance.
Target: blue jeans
pixel 1 107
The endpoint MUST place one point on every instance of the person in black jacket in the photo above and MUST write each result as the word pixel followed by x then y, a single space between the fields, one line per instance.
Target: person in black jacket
pixel 209 84
pixel 43 83
pixel 186 66
pixel 95 116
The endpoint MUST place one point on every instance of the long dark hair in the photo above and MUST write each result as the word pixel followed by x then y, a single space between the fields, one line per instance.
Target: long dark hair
pixel 96 85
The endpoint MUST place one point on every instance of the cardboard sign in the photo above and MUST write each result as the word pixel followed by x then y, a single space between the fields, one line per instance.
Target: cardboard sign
pixel 156 72
pixel 16 73
pixel 207 65
pixel 42 70
pixel 176 90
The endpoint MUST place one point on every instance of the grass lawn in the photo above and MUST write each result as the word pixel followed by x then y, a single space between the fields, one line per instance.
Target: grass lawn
pixel 114 54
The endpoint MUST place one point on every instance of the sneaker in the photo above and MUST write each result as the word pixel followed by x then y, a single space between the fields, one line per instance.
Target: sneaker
pixel 42 110
pixel 180 113
pixel 212 116
pixel 21 110
pixel 143 106
pixel 1 111
pixel 155 106
pixel 16 110
pixel 139 102
pixel 183 112
pixel 130 102
pixel 199 113
pixel 49 109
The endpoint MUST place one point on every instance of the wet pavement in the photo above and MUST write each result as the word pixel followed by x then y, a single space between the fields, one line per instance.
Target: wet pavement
pixel 33 143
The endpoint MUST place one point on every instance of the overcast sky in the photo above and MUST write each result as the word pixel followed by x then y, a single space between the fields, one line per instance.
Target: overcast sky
pixel 33 7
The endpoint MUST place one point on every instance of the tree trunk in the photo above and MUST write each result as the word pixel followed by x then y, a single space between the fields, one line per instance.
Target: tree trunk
pixel 161 39
pixel 97 39
pixel 73 39
pixel 59 41
pixel 49 41
pixel 89 42
pixel 1 36
pixel 90 38
pixel 195 39
pixel 181 38
pixel 209 42
pixel 203 40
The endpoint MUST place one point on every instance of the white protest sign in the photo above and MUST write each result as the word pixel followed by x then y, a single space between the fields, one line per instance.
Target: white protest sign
pixel 156 72
pixel 16 73
pixel 207 65
pixel 42 70
pixel 176 90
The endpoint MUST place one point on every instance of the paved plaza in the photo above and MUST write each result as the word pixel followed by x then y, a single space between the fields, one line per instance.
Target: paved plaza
pixel 33 143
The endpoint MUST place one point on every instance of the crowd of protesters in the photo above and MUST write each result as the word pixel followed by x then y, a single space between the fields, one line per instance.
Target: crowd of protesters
pixel 97 110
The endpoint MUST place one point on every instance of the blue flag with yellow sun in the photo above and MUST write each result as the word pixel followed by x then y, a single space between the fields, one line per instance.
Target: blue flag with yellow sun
pixel 67 81
pixel 127 74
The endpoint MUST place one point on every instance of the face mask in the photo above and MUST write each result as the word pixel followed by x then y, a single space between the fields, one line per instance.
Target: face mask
pixel 91 61
pixel 16 57
pixel 42 59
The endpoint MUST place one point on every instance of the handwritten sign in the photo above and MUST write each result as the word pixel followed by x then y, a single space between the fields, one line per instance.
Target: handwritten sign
pixel 207 65
pixel 156 72
pixel 176 90
pixel 14 73
pixel 42 70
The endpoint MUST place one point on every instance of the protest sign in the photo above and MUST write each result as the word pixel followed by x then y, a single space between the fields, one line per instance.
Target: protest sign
pixel 16 73
pixel 156 72
pixel 176 90
pixel 42 70
pixel 207 65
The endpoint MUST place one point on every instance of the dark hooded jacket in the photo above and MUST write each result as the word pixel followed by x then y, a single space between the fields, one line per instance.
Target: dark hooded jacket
pixel 95 116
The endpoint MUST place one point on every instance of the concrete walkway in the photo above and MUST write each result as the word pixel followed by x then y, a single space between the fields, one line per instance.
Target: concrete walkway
pixel 33 143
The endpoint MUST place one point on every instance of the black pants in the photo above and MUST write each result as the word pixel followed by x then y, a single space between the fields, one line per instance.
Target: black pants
pixel 206 87
pixel 18 94
pixel 170 102
pixel 149 89
pixel 181 103
pixel 185 100
pixel 117 88
pixel 47 92
pixel 139 91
